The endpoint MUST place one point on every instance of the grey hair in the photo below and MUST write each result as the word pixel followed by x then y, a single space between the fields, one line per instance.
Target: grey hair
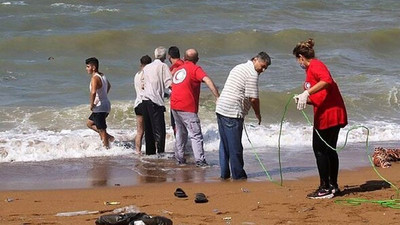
pixel 263 56
pixel 160 53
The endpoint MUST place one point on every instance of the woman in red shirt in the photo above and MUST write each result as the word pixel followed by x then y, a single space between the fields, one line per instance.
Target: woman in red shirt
pixel 321 91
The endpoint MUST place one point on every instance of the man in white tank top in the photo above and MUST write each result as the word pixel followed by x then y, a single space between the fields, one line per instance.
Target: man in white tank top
pixel 99 103
pixel 138 82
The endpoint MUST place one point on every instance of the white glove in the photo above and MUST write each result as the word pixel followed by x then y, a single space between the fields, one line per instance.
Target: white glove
pixel 296 99
pixel 302 100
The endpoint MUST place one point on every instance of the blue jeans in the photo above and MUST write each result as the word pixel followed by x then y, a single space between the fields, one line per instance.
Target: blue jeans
pixel 230 147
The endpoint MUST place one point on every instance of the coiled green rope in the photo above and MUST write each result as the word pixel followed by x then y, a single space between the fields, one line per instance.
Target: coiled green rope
pixel 394 203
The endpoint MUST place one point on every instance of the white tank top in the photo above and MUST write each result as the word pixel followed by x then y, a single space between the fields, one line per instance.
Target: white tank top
pixel 101 102
pixel 139 84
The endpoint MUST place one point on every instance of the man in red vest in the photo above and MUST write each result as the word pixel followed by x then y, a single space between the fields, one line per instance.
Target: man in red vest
pixel 185 95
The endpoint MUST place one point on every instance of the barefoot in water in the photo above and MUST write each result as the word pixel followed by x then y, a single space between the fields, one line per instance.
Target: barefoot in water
pixel 110 138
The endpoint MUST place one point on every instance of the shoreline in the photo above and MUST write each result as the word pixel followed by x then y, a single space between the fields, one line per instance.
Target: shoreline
pixel 244 202
pixel 131 170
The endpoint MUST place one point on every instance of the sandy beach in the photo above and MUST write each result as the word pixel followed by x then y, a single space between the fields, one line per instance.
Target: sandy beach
pixel 51 163
pixel 239 202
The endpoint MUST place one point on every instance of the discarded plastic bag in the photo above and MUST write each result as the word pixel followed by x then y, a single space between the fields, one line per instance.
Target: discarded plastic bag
pixel 120 219
pixel 77 213
pixel 156 220
pixel 139 222
pixel 131 218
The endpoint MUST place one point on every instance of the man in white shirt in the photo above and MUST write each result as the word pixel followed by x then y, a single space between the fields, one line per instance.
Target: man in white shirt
pixel 157 78
pixel 239 94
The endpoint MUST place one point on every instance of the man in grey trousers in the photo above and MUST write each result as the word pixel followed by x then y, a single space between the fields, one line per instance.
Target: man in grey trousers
pixel 186 84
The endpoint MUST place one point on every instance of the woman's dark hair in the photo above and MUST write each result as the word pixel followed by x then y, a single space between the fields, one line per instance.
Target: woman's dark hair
pixel 145 60
pixel 305 48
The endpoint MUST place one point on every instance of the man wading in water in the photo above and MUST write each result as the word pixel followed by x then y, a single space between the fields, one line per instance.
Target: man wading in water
pixel 99 103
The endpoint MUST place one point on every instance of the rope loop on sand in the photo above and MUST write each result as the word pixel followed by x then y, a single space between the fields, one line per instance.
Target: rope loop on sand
pixel 393 203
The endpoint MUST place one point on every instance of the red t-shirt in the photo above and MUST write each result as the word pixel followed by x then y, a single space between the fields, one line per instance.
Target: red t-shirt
pixel 186 84
pixel 329 108
pixel 175 66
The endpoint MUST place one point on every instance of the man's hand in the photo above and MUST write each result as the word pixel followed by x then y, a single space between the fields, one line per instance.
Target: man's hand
pixel 301 100
pixel 95 102
pixel 255 103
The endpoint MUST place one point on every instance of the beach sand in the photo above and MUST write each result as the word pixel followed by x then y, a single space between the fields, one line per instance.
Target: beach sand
pixel 230 202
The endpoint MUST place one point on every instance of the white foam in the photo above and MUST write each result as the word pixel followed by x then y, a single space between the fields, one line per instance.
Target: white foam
pixel 14 3
pixel 301 135
pixel 392 98
pixel 29 144
pixel 50 145
pixel 83 8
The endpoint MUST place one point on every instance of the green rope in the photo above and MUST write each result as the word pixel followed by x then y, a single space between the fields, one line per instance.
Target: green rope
pixel 279 138
pixel 279 148
pixel 394 203
pixel 367 147
pixel 258 158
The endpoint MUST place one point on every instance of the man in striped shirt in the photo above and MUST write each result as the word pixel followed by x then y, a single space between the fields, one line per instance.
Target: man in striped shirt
pixel 240 93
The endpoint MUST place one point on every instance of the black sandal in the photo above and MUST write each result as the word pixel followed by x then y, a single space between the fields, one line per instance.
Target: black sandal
pixel 180 193
pixel 200 198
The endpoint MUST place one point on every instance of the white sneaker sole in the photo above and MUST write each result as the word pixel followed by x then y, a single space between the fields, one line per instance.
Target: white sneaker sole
pixel 331 195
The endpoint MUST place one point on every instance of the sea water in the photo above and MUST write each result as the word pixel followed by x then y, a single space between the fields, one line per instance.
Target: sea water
pixel 45 88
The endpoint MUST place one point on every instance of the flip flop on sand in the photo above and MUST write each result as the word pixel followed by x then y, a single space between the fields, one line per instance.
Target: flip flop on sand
pixel 180 193
pixel 200 198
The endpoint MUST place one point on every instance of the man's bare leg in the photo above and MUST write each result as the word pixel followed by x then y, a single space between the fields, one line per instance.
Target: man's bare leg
pixel 139 134
pixel 92 126
pixel 104 137
pixel 109 138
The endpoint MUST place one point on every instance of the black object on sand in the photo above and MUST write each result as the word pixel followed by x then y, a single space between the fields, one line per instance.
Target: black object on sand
pixel 200 198
pixel 180 193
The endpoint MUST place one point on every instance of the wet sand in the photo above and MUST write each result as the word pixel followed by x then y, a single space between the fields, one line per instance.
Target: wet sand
pixel 240 202
pixel 33 193
pixel 131 170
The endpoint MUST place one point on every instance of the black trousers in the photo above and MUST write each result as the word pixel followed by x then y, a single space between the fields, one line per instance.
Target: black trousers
pixel 327 158
pixel 154 125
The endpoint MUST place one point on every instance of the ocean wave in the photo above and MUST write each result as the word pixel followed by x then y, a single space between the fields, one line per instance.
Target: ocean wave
pixel 108 42
pixel 43 145
pixel 382 40
pixel 122 116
